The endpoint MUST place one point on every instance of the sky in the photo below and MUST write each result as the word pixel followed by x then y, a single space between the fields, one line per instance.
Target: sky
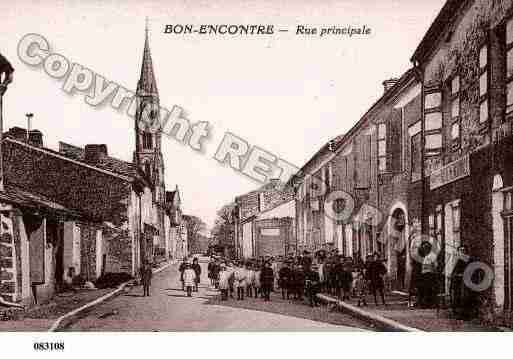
pixel 286 93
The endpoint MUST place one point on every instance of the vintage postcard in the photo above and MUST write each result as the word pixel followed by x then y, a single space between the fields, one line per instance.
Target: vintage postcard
pixel 212 166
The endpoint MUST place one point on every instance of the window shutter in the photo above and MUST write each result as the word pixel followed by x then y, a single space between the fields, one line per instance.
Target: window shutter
pixel 394 141
pixel 363 144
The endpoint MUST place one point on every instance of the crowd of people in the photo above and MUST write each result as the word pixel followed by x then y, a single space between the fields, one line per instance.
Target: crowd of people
pixel 299 277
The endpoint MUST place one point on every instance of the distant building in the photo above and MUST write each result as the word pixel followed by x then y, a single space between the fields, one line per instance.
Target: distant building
pixel 249 206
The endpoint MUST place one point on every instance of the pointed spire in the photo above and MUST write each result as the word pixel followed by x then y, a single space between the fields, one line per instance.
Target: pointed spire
pixel 147 84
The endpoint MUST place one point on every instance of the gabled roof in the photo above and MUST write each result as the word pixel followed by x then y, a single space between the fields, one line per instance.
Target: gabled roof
pixel 327 148
pixel 336 144
pixel 271 186
pixel 20 197
pixel 106 162
pixel 437 28
pixel 96 192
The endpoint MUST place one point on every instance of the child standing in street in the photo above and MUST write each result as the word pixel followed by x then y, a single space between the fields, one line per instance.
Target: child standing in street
pixel 256 283
pixel 240 281
pixel 189 279
pixel 250 281
pixel 361 287
pixel 146 274
pixel 224 282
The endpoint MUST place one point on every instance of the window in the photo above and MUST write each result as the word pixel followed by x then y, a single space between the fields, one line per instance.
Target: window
pixel 455 131
pixel 509 66
pixel 456 215
pixel 147 168
pixel 432 225
pixel 416 157
pixel 433 100
pixel 433 119
pixel 483 84
pixel 433 142
pixel 147 141
pixel 327 176
pixel 455 113
pixel 382 147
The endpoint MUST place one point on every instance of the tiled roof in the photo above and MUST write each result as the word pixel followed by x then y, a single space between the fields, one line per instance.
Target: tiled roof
pixel 107 163
pixel 443 19
pixel 17 196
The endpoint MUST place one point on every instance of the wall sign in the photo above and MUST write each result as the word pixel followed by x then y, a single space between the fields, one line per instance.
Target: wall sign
pixel 450 173
pixel 270 231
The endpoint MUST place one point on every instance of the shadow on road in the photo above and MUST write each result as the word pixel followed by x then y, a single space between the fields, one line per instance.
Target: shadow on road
pixel 292 308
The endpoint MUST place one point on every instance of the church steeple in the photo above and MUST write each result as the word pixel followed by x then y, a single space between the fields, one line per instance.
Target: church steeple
pixel 148 155
pixel 147 86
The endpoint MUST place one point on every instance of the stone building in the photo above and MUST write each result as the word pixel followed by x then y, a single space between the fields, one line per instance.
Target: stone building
pixel 83 209
pixel 432 156
pixel 359 193
pixel 114 224
pixel 466 63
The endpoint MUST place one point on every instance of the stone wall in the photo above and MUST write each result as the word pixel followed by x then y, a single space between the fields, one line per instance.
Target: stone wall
pixel 10 278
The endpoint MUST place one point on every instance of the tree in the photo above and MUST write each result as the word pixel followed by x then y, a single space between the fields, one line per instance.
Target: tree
pixel 195 226
pixel 223 231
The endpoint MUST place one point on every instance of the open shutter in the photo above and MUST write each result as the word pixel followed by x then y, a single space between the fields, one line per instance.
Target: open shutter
pixel 363 147
pixel 394 141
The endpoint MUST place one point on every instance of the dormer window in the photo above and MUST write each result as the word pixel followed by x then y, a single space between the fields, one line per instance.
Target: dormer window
pixel 147 141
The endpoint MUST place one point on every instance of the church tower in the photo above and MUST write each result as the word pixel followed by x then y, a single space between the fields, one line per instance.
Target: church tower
pixel 148 156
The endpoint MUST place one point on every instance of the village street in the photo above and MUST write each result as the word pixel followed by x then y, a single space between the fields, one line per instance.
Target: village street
pixel 169 309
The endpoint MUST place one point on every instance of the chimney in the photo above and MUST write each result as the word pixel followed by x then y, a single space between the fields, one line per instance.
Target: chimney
pixel 95 153
pixel 36 138
pixel 388 84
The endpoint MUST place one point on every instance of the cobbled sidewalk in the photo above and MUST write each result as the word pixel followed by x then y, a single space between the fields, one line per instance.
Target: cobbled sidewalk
pixel 397 309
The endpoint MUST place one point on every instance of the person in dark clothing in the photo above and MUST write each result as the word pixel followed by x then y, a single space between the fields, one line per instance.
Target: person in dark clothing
pixel 343 280
pixel 376 271
pixel 216 269
pixel 298 279
pixel 210 270
pixel 464 301
pixel 197 269
pixel 312 285
pixel 346 282
pixel 331 275
pixel 267 280
pixel 285 277
pixel 146 274
pixel 181 269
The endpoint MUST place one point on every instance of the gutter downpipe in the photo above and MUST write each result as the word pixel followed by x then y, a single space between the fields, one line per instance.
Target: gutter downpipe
pixel 419 74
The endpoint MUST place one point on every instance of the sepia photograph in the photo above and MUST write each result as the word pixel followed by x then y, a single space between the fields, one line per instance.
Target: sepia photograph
pixel 334 166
